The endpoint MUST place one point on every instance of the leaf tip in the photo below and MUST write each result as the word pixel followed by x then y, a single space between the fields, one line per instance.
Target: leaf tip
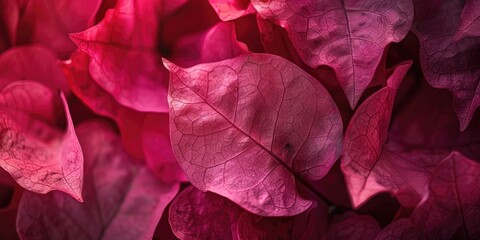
pixel 77 39
pixel 170 65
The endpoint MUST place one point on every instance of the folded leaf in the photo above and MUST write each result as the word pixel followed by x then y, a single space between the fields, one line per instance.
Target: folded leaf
pixel 199 215
pixel 250 127
pixel 123 200
pixel 9 15
pixel 144 135
pixel 125 60
pixel 451 64
pixel 368 166
pixel 451 210
pixel 349 36
pixel 231 9
pixel 39 147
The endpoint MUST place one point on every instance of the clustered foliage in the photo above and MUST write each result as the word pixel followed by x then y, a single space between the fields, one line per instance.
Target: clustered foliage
pixel 239 119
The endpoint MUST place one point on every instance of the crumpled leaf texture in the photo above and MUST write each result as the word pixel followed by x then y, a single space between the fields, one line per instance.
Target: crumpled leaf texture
pixel 246 128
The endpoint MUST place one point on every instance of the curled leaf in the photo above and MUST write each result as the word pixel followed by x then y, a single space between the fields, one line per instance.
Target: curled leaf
pixel 123 200
pixel 368 166
pixel 39 147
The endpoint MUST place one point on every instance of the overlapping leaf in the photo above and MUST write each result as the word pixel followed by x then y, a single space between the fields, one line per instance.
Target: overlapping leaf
pixel 144 135
pixel 452 208
pixel 39 147
pixel 250 128
pixel 231 9
pixel 448 62
pixel 349 36
pixel 369 166
pixel 226 220
pixel 49 22
pixel 124 54
pixel 123 200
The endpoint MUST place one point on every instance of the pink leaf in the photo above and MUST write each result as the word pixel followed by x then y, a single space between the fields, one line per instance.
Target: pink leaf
pixel 216 44
pixel 39 146
pixel 231 9
pixel 32 63
pixel 250 127
pixel 124 54
pixel 144 135
pixel 453 205
pixel 9 15
pixel 369 168
pixel 469 20
pixel 49 22
pixel 198 215
pixel 449 64
pixel 349 36
pixel 123 200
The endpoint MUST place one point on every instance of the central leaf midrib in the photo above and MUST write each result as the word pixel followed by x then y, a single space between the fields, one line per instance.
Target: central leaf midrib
pixel 277 158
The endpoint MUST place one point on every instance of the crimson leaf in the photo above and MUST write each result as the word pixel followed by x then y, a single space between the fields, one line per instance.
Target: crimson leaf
pixel 248 128
pixel 39 148
pixel 123 200
pixel 347 35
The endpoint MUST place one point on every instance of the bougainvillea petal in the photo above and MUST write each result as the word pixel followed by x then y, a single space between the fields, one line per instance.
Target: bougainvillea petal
pixel 192 207
pixel 49 22
pixel 452 206
pixel 144 135
pixel 248 128
pixel 231 9
pixel 124 57
pixel 215 44
pixel 353 226
pixel 469 20
pixel 39 148
pixel 123 200
pixel 450 64
pixel 349 36
pixel 32 63
pixel 365 138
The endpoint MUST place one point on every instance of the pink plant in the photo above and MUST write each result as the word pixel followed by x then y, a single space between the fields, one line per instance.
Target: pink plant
pixel 238 119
